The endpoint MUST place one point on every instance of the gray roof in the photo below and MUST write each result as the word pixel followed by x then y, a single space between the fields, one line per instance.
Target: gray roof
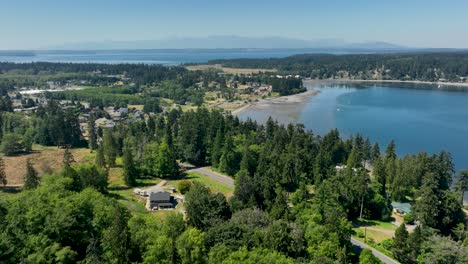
pixel 155 189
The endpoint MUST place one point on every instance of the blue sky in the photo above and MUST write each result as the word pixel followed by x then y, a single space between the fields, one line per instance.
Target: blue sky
pixel 30 24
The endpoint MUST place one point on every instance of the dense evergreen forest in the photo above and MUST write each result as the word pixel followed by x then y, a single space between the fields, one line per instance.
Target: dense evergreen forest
pixel 401 66
pixel 291 202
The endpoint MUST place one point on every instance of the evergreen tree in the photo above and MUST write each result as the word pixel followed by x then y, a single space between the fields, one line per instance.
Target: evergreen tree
pixel 375 152
pixel 110 147
pixel 390 151
pixel 400 244
pixel 462 184
pixel 68 171
pixel 100 159
pixel 216 149
pixel 31 179
pixel 166 164
pixel 92 134
pixel 129 170
pixel 229 161
pixel 3 176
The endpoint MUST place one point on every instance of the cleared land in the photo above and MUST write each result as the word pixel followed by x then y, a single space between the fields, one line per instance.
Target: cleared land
pixel 136 203
pixel 219 67
pixel 45 160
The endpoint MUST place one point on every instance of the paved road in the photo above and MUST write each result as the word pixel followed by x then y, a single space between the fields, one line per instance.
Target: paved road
pixel 384 258
pixel 210 173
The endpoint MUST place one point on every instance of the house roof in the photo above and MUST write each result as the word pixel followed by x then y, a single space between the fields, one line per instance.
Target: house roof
pixel 155 189
pixel 404 207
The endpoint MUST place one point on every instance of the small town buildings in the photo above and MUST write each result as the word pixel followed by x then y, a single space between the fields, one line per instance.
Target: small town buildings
pixel 104 123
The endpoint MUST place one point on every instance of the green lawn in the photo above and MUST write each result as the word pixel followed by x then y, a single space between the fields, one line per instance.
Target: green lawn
pixel 374 223
pixel 210 183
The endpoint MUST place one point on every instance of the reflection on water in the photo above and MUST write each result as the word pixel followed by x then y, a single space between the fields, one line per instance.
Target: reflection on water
pixel 417 117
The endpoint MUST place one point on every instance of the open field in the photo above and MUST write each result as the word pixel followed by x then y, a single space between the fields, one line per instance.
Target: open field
pixel 204 67
pixel 45 160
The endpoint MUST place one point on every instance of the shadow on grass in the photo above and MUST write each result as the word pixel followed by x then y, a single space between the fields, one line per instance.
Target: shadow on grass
pixel 363 222
pixel 10 189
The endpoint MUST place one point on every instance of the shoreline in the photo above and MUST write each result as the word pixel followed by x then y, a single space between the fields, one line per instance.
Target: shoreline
pixel 301 97
pixel 287 99
pixel 396 81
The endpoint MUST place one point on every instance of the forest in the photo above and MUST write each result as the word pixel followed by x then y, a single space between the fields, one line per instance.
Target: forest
pixel 297 195
pixel 431 66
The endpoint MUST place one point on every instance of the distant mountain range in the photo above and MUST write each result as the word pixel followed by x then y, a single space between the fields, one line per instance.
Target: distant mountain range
pixel 233 42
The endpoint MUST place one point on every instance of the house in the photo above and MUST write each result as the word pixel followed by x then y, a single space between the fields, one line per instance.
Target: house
pixel 158 198
pixel 401 208
pixel 104 123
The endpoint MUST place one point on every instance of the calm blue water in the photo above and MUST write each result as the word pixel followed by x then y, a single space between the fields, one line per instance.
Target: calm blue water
pixel 166 57
pixel 424 119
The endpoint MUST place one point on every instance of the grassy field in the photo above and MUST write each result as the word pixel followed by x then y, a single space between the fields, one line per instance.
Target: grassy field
pixel 227 70
pixel 374 224
pixel 214 185
pixel 45 160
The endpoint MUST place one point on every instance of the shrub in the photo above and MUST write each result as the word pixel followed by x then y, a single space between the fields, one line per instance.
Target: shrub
pixel 13 144
pixel 408 219
pixel 184 186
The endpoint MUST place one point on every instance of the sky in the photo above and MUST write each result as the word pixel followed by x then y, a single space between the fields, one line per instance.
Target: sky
pixel 39 24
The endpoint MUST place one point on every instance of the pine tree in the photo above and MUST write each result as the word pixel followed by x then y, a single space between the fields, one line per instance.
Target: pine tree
pixel 92 141
pixel 400 243
pixel 462 184
pixel 68 171
pixel 110 148
pixel 3 177
pixel 100 159
pixel 216 149
pixel 375 152
pixel 31 179
pixel 166 162
pixel 68 158
pixel 229 161
pixel 130 171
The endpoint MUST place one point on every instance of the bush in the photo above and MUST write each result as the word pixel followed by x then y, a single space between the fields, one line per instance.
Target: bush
pixel 13 144
pixel 408 219
pixel 184 186
pixel 387 244
pixel 359 233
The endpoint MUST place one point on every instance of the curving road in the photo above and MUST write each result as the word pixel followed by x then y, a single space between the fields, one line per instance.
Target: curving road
pixel 384 258
pixel 230 182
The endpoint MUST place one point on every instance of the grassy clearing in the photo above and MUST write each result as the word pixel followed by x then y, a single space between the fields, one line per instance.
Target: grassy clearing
pixel 226 69
pixel 214 185
pixel 45 159
pixel 374 224
pixel 373 235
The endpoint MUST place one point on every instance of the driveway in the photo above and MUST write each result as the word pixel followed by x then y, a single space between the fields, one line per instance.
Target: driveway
pixel 384 258
pixel 209 173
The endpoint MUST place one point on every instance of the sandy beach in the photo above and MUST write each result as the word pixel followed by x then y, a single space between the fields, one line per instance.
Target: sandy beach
pixel 282 100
